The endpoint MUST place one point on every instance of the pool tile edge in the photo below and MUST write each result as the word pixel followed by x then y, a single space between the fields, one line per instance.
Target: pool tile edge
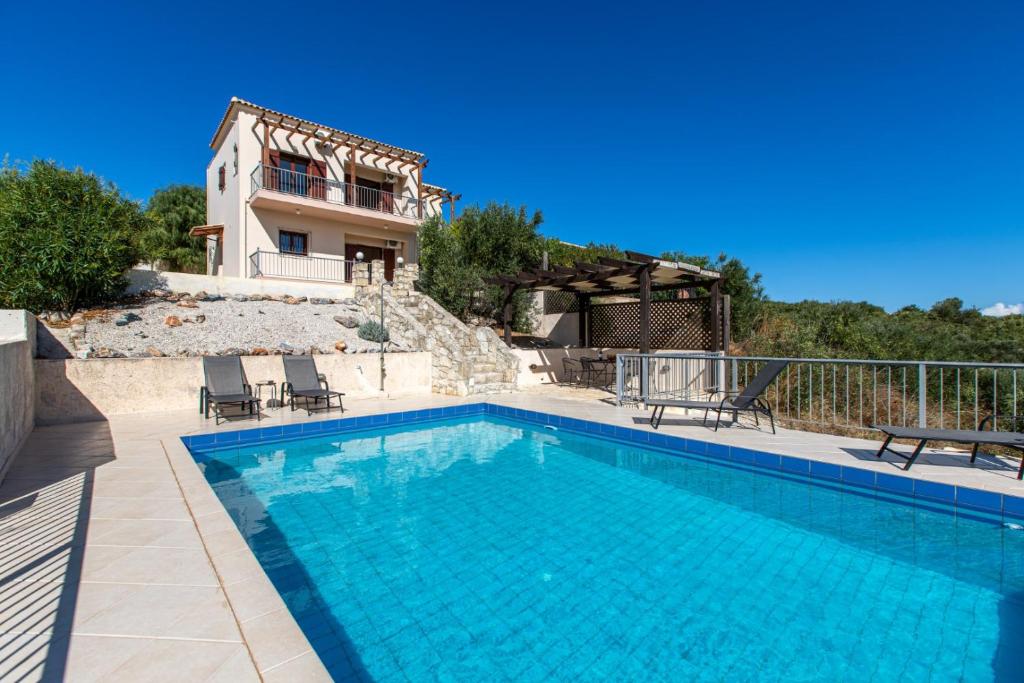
pixel 210 519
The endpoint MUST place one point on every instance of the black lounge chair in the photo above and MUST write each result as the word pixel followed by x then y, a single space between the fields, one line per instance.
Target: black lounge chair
pixel 303 381
pixel 226 385
pixel 746 401
pixel 974 437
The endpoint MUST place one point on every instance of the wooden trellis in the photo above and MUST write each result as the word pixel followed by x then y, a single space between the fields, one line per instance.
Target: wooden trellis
pixel 675 324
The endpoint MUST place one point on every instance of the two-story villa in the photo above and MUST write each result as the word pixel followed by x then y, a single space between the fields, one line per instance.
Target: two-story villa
pixel 289 198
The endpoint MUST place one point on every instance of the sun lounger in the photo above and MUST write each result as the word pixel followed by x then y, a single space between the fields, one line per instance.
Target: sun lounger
pixel 225 385
pixel 748 400
pixel 303 381
pixel 974 437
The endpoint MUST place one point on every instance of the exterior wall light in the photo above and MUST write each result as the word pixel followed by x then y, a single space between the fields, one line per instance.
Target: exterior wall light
pixel 359 256
pixel 400 261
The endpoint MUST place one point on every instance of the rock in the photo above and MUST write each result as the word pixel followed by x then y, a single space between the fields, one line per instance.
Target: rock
pixel 83 352
pixel 160 293
pixel 258 297
pixel 172 321
pixel 233 351
pixel 349 301
pixel 273 297
pixel 154 352
pixel 188 304
pixel 290 300
pixel 200 318
pixel 340 346
pixel 240 297
pixel 320 302
pixel 313 351
pixel 287 348
pixel 200 296
pixel 104 352
pixel 348 321
pixel 259 351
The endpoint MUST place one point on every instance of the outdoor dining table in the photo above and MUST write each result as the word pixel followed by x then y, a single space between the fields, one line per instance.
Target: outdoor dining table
pixel 598 371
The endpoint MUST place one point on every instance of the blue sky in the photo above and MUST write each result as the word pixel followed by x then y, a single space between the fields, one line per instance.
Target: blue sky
pixel 856 150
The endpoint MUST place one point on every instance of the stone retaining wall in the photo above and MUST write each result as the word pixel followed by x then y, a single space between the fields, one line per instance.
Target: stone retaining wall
pixel 465 360
pixel 80 390
pixel 17 382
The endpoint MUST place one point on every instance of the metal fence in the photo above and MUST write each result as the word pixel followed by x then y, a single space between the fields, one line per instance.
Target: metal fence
pixel 854 394
pixel 333 191
pixel 298 267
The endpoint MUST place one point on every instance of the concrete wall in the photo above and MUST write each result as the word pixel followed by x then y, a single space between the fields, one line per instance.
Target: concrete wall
pixel 17 382
pixel 81 390
pixel 544 366
pixel 140 280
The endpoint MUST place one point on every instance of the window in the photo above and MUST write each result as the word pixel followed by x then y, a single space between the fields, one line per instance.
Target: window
pixel 221 179
pixel 293 243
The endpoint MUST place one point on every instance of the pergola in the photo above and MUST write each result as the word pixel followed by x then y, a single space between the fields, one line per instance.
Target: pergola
pixel 636 274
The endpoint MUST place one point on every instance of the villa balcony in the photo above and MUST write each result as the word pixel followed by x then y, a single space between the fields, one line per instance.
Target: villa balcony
pixel 284 190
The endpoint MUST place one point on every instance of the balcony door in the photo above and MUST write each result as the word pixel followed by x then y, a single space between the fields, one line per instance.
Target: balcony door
pixel 297 175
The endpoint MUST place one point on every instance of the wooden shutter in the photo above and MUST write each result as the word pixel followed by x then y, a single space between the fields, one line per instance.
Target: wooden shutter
pixel 272 177
pixel 318 179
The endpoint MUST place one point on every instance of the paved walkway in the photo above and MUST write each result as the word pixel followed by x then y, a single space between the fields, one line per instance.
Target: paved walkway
pixel 117 563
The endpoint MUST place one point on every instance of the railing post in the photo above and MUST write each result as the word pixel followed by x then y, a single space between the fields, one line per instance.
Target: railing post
pixel 644 378
pixel 922 395
pixel 734 369
pixel 620 366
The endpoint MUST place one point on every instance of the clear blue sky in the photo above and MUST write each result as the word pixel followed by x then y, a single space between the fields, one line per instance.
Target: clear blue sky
pixel 857 150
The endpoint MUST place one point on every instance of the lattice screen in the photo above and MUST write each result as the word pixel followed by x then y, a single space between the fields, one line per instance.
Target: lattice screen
pixel 675 324
pixel 560 302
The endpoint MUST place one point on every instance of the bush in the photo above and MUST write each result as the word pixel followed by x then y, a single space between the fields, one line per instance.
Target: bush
pixel 173 211
pixel 373 331
pixel 66 238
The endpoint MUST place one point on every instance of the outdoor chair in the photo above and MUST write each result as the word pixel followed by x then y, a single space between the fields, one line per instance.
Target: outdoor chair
pixel 303 381
pixel 225 385
pixel 748 401
pixel 598 372
pixel 572 372
pixel 974 437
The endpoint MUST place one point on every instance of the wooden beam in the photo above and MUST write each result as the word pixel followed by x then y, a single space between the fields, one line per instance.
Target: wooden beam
pixel 266 143
pixel 645 311
pixel 419 189
pixel 716 315
pixel 350 194
pixel 583 301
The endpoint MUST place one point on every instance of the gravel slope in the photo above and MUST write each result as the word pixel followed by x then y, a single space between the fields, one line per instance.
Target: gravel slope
pixel 225 326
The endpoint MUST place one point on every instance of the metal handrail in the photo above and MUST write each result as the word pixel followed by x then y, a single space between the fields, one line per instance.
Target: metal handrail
pixel 334 191
pixel 839 392
pixel 299 267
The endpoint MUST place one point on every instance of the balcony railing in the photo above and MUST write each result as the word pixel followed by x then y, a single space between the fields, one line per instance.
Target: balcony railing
pixel 825 394
pixel 334 192
pixel 297 267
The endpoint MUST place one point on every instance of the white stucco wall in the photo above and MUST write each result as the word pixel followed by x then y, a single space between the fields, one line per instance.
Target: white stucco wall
pixel 83 390
pixel 140 280
pixel 17 382
pixel 224 207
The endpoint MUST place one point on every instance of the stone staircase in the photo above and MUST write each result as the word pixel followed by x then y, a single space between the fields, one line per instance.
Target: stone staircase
pixel 466 360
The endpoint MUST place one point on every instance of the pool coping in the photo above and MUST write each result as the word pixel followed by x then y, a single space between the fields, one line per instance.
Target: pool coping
pixel 277 645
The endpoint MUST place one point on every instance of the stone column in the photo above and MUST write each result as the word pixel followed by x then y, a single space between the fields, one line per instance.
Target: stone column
pixel 360 273
pixel 377 272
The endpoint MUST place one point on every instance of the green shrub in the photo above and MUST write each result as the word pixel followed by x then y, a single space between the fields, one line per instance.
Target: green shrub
pixel 66 238
pixel 373 331
pixel 172 211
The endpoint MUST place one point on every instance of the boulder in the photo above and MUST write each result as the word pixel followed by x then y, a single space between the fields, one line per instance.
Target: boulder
pixel 319 301
pixel 154 352
pixel 172 321
pixel 290 300
pixel 187 303
pixel 240 297
pixel 259 351
pixel 287 348
pixel 200 296
pixel 340 346
pixel 349 321
pixel 105 352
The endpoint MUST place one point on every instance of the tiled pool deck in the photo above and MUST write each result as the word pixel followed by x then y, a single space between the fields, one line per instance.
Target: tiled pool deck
pixel 119 562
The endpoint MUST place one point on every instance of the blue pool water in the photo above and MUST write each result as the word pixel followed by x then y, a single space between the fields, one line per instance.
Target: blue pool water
pixel 481 549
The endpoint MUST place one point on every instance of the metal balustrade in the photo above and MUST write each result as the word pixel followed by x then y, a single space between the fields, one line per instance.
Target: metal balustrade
pixel 819 393
pixel 298 267
pixel 334 192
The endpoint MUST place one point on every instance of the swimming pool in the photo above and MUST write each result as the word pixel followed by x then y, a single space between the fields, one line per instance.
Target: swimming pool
pixel 485 548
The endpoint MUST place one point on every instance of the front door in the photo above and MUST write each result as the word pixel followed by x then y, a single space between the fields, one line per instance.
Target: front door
pixel 372 254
